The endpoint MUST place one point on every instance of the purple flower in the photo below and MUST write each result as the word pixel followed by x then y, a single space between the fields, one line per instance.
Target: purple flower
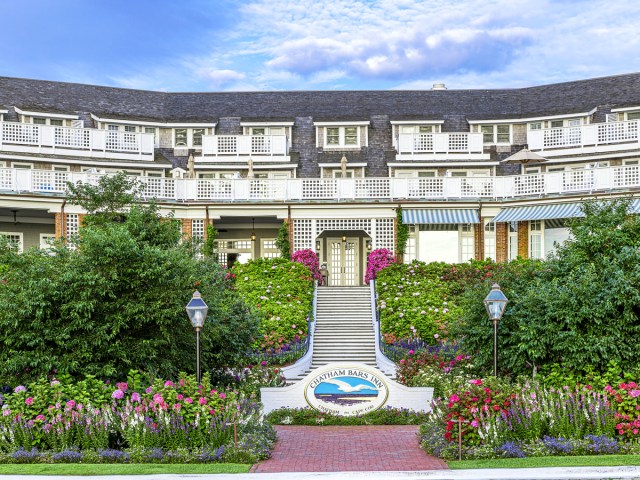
pixel 117 394
pixel 149 390
pixel 20 388
pixel 135 397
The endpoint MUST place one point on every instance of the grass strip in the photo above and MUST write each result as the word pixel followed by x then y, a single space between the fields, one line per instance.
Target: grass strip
pixel 119 469
pixel 537 462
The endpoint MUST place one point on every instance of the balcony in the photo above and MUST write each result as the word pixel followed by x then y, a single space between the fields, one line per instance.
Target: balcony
pixel 594 138
pixel 436 146
pixel 607 179
pixel 53 140
pixel 238 148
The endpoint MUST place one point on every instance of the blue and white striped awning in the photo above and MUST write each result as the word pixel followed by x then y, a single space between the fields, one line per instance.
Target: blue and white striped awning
pixel 539 212
pixel 635 207
pixel 439 216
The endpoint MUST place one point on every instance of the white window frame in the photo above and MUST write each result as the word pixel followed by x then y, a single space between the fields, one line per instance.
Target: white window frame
pixel 189 136
pixel 631 162
pixel 633 114
pixel 466 232
pixel 218 175
pixel 20 236
pixel 495 134
pixel 490 234
pixel 512 243
pixel 337 173
pixel 538 235
pixel 46 239
pixel 61 168
pixel 342 137
pixel 268 248
pixel 536 125
pixel 23 166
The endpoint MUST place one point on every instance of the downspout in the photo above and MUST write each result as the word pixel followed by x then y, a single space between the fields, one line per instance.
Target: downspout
pixel 63 222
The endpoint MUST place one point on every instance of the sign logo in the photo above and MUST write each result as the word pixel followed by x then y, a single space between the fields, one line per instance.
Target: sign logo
pixel 346 391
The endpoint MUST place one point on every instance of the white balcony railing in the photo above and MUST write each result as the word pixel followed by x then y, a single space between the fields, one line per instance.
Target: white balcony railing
pixel 440 143
pixel 28 138
pixel 594 137
pixel 348 189
pixel 245 145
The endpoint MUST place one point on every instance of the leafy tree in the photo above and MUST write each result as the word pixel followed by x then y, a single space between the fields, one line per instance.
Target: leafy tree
pixel 208 247
pixel 282 241
pixel 117 303
pixel 581 309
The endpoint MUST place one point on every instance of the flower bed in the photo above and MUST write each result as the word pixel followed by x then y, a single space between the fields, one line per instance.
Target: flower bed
pixel 383 416
pixel 282 291
pixel 71 419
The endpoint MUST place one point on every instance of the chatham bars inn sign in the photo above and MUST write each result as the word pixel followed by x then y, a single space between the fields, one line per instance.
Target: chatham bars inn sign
pixel 346 389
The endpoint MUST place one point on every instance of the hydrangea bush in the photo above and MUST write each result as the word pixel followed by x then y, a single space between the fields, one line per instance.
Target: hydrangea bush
pixel 309 259
pixel 282 292
pixel 377 260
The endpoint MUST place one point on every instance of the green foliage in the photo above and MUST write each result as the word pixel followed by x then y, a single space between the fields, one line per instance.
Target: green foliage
pixel 578 309
pixel 414 301
pixel 116 303
pixel 108 199
pixel 282 293
pixel 383 416
pixel 283 243
pixel 208 247
pixel 402 233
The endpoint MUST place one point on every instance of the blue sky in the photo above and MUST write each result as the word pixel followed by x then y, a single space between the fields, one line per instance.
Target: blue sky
pixel 207 45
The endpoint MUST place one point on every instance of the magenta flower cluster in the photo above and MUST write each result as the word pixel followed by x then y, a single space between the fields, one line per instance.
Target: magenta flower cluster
pixel 309 259
pixel 378 259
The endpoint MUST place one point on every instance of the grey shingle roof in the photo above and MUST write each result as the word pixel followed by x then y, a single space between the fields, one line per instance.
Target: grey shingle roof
pixel 562 98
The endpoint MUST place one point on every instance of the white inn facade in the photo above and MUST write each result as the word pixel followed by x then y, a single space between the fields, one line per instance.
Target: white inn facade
pixel 335 165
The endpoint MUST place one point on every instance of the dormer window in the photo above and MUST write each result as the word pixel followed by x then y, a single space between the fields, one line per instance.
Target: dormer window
pixel 338 135
pixel 57 122
pixel 633 116
pixel 496 133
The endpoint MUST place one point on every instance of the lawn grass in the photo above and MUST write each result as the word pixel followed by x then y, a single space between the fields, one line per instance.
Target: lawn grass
pixel 120 469
pixel 536 462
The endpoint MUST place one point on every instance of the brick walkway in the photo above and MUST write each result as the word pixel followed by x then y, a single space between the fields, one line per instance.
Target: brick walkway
pixel 335 449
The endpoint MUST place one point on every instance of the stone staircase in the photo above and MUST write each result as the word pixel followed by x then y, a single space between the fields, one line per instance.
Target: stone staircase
pixel 344 331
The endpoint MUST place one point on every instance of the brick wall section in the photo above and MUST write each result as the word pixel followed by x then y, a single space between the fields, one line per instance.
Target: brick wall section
pixel 229 126
pixel 523 239
pixel 60 225
pixel 502 242
pixel 478 239
pixel 290 226
pixel 186 227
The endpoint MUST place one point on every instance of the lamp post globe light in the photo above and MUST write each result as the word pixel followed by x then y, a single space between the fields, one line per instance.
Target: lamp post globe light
pixel 197 311
pixel 495 303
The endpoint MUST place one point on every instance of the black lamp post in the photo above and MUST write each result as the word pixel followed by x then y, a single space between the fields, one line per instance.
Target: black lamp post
pixel 197 311
pixel 495 303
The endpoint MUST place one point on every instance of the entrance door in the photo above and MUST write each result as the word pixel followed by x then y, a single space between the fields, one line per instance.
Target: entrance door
pixel 344 262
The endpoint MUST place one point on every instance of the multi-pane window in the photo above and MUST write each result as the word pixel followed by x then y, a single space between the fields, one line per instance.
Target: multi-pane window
pixel 410 249
pixel 48 121
pixel 341 136
pixel 490 239
pixel 633 116
pixel 535 126
pixel 180 137
pixel 130 128
pixel 47 240
pixel 197 136
pixel 13 239
pixel 535 239
pixel 269 249
pixel 56 122
pixel 467 245
pixel 496 133
pixel 557 123
pixel 333 136
pixel 513 240
pixel 39 121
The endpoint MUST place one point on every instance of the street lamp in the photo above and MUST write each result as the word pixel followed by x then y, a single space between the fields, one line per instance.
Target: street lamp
pixel 197 311
pixel 495 303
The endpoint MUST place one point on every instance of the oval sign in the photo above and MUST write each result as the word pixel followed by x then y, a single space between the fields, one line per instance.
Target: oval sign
pixel 346 391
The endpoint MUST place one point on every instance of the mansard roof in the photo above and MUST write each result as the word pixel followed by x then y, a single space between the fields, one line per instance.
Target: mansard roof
pixel 109 102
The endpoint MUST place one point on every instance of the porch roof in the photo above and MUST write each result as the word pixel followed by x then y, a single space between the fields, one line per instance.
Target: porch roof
pixel 440 216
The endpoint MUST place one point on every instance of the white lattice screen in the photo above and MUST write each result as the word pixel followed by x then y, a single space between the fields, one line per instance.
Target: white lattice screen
pixel 379 229
pixel 197 229
pixel 73 228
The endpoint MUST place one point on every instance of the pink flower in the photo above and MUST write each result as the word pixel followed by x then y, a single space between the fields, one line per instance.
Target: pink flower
pixel 40 418
pixel 177 407
pixel 634 393
pixel 181 382
pixel 29 401
pixel 474 423
pixel 188 400
pixel 149 390
pixel 476 381
pixel 157 398
pixel 411 352
pixel 6 412
pixel 202 401
pixel 454 398
pixel 122 386
pixel 264 363
pixel 135 397
pixel 179 396
pixel 294 326
pixel 117 394
pixel 223 396
pixel 168 383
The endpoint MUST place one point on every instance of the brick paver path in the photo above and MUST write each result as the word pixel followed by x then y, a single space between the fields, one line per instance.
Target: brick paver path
pixel 340 448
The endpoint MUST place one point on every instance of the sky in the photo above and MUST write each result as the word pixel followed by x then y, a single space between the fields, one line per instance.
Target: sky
pixel 209 45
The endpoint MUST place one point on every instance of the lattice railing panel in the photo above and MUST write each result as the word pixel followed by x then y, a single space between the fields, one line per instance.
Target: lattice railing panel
pixel 48 181
pixel 302 234
pixel 384 236
pixel 458 142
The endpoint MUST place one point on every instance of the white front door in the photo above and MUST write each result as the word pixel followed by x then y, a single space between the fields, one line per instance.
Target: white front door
pixel 343 262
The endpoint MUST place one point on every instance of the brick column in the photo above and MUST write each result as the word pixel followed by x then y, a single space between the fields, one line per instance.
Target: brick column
pixel 478 239
pixel 186 227
pixel 60 220
pixel 523 239
pixel 502 242
pixel 290 227
pixel 81 219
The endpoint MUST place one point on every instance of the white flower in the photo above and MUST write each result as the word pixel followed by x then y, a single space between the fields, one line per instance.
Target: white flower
pixel 246 278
